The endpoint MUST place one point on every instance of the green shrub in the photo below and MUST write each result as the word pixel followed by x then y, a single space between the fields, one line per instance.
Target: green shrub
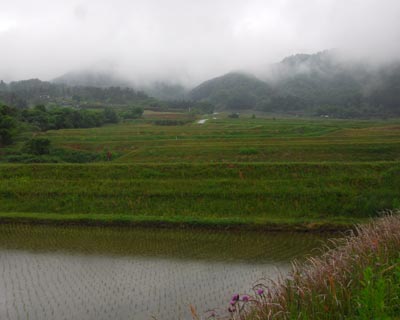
pixel 37 146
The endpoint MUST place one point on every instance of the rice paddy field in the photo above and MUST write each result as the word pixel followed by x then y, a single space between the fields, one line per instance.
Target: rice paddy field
pixel 239 140
pixel 111 273
pixel 246 171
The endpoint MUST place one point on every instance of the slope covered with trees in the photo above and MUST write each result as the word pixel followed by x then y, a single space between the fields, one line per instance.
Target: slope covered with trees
pixel 232 91
pixel 317 84
pixel 22 94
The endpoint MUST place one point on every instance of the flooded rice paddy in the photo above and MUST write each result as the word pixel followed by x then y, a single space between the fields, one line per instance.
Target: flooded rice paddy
pixel 116 273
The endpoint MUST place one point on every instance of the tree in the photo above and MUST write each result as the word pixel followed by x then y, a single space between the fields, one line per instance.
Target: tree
pixel 8 125
pixel 133 113
pixel 110 116
pixel 37 146
pixel 37 116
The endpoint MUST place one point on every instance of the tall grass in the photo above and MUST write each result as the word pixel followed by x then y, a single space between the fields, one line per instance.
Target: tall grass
pixel 357 278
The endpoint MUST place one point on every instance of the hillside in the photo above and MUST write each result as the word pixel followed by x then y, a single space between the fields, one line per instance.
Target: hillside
pixel 232 91
pixel 22 94
pixel 312 84
pixel 165 91
pixel 91 78
pixel 106 79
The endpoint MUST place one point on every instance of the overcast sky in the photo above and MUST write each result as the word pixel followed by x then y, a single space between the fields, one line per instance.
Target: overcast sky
pixel 186 40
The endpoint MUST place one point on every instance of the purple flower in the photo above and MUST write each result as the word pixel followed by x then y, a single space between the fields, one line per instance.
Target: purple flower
pixel 260 291
pixel 235 297
pixel 245 298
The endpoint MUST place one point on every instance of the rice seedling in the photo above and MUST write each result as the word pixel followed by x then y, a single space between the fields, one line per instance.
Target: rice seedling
pixel 102 273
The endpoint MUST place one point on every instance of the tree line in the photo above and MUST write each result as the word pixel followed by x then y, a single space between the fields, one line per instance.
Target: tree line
pixel 25 93
pixel 41 118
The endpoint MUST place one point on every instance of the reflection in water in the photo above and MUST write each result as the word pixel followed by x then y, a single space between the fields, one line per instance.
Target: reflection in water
pixel 113 273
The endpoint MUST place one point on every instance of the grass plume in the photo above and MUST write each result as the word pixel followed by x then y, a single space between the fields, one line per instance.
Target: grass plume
pixel 358 277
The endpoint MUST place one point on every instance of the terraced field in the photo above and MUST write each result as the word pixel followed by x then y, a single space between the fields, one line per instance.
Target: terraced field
pixel 224 172
pixel 241 140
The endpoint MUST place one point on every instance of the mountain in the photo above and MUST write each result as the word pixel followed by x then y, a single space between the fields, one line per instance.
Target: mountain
pixel 318 79
pixel 106 79
pixel 235 90
pixel 312 84
pixel 327 83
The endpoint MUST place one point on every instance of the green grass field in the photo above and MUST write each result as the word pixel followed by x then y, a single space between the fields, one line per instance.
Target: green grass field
pixel 223 172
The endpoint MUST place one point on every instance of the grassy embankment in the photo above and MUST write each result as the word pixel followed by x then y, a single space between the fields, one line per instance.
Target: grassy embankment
pixel 359 278
pixel 305 174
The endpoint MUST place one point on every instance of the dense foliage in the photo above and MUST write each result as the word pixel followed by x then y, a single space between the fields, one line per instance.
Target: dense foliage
pixel 132 113
pixel 8 124
pixel 22 94
pixel 24 123
pixel 29 93
pixel 233 91
pixel 66 118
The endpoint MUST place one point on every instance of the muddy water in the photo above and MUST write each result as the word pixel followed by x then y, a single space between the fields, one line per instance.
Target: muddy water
pixel 112 273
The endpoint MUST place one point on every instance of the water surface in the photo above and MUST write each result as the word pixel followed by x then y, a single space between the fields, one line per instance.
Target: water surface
pixel 116 273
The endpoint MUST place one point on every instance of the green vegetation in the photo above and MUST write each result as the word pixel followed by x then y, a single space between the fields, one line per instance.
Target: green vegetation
pixel 7 125
pixel 20 132
pixel 37 146
pixel 359 278
pixel 255 172
pixel 66 118
pixel 249 194
pixel 22 94
pixel 222 139
pixel 129 102
pixel 132 113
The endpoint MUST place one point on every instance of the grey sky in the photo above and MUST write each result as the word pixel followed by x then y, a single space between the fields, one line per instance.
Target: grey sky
pixel 186 40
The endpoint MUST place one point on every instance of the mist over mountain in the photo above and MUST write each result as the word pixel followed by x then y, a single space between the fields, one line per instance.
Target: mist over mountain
pixel 106 79
pixel 318 84
pixel 325 83
pixel 166 91
pixel 235 90
pixel 92 78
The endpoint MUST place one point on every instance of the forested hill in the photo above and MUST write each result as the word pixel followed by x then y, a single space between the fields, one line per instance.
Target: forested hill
pixel 26 93
pixel 233 91
pixel 317 84
pixel 104 79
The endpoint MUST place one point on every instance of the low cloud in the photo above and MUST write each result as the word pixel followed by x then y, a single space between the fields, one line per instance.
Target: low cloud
pixel 187 41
